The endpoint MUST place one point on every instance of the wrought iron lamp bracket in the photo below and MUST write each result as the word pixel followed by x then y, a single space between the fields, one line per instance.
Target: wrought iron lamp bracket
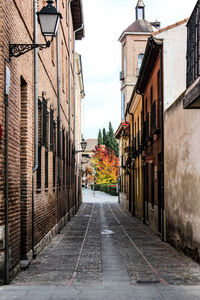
pixel 17 50
pixel 77 151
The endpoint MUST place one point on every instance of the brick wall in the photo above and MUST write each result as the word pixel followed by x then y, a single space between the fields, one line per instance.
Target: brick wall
pixel 51 203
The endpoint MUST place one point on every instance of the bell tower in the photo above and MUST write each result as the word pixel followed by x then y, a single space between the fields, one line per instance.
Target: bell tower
pixel 140 10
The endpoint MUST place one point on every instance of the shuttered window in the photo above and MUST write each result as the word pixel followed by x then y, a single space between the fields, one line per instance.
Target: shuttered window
pixel 58 139
pixel 54 170
pixel 39 169
pixel 44 123
pixel 51 129
pixel 46 168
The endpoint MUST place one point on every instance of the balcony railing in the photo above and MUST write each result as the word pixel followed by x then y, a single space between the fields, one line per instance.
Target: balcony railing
pixel 155 117
pixel 193 45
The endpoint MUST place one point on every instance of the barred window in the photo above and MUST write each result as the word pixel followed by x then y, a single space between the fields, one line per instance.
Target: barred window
pixel 51 129
pixel 58 139
pixel 46 168
pixel 193 46
pixel 44 123
pixel 63 144
pixel 39 169
pixel 54 170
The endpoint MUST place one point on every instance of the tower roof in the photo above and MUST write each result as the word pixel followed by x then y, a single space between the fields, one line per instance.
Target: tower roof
pixel 140 3
pixel 140 25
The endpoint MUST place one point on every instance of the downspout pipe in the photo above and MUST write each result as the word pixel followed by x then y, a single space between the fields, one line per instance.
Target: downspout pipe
pixel 58 107
pixel 7 263
pixel 162 142
pixel 36 121
pixel 133 170
pixel 143 162
pixel 75 108
pixel 70 100
pixel 143 167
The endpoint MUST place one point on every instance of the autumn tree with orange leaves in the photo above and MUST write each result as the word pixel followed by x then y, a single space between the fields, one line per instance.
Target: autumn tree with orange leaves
pixel 106 165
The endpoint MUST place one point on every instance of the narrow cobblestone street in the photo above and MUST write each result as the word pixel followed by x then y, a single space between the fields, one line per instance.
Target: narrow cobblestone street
pixel 105 253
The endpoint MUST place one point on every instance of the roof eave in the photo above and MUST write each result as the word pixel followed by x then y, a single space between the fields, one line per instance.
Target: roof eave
pixel 132 33
pixel 152 51
pixel 77 18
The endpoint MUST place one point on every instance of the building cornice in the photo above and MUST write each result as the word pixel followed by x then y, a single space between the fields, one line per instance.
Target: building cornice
pixel 133 33
pixel 127 84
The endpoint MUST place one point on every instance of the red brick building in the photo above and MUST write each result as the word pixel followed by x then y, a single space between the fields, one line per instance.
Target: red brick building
pixel 36 156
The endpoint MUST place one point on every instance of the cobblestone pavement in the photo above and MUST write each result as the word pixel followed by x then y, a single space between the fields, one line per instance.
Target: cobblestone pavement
pixel 104 252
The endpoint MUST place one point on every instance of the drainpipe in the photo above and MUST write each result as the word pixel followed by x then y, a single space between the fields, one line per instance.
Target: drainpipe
pixel 143 167
pixel 69 96
pixel 58 105
pixel 36 122
pixel 162 141
pixel 143 162
pixel 133 170
pixel 6 204
pixel 75 107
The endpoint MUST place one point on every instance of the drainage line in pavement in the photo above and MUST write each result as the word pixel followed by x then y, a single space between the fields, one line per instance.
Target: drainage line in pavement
pixel 145 259
pixel 81 250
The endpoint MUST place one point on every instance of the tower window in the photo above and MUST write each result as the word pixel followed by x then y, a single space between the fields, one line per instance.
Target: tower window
pixel 140 58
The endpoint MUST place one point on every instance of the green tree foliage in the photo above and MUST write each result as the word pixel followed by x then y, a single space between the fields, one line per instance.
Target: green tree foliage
pixel 100 138
pixel 112 142
pixel 105 137
pixel 109 139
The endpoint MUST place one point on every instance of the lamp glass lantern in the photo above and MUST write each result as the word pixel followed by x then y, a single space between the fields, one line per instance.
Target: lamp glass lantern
pixel 83 145
pixel 49 19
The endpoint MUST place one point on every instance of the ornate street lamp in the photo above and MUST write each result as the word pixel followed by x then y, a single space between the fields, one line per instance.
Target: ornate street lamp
pixel 83 146
pixel 49 19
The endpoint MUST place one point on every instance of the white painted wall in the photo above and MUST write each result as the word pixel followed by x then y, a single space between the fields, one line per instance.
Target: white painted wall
pixel 174 46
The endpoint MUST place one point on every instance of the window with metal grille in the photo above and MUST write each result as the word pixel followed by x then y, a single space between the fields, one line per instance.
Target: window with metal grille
pixel 44 123
pixel 63 144
pixel 46 168
pixel 67 159
pixel 39 169
pixel 39 122
pixel 58 139
pixel 54 170
pixel 51 129
pixel 193 46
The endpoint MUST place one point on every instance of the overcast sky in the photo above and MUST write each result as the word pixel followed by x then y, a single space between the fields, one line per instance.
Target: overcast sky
pixel 104 21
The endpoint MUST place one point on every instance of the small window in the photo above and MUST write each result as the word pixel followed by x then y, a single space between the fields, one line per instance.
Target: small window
pixel 123 106
pixel 140 58
pixel 124 65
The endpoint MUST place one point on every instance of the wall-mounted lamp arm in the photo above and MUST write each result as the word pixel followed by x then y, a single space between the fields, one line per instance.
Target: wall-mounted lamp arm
pixel 17 50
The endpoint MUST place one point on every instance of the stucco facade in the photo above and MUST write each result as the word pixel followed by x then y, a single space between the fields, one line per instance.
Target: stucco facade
pixel 182 177
pixel 182 163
